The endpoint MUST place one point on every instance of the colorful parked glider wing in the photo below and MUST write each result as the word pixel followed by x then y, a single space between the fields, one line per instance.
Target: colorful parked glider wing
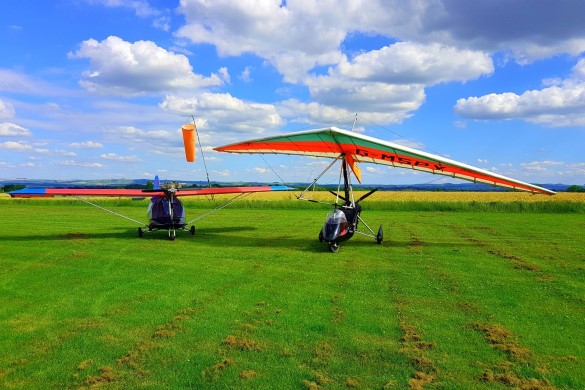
pixel 53 192
pixel 333 143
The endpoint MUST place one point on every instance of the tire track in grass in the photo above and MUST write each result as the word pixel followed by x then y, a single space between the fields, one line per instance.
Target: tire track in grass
pixel 322 355
pixel 518 356
pixel 507 372
pixel 325 350
pixel 415 348
pixel 541 276
pixel 354 349
pixel 520 264
pixel 135 358
pixel 413 344
pixel 241 340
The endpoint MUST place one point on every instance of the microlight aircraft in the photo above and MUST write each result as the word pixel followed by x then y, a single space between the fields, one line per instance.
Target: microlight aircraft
pixel 351 148
pixel 165 210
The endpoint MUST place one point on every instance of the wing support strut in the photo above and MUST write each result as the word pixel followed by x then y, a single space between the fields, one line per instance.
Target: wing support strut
pixel 110 211
pixel 208 213
pixel 312 185
pixel 371 234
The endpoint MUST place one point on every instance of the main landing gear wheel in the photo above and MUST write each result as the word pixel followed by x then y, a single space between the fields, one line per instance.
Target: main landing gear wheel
pixel 334 247
pixel 380 235
pixel 172 235
pixel 192 230
pixel 140 233
pixel 321 236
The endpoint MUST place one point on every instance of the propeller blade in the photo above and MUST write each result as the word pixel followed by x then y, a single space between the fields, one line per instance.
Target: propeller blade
pixel 366 195
pixel 340 197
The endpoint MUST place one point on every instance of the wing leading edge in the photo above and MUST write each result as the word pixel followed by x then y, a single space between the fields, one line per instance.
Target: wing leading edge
pixel 53 192
pixel 333 142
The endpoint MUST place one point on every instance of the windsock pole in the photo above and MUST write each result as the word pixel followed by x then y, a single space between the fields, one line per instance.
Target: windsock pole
pixel 189 133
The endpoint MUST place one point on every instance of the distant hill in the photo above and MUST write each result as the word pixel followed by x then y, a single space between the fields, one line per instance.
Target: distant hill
pixel 138 183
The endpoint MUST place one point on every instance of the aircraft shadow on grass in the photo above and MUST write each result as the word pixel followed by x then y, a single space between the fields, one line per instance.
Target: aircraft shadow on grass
pixel 221 237
pixel 218 237
pixel 115 234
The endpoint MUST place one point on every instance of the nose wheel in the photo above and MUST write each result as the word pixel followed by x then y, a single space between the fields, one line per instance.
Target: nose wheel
pixel 334 247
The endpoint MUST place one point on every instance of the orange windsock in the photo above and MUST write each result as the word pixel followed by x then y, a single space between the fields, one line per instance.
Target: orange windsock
pixel 189 141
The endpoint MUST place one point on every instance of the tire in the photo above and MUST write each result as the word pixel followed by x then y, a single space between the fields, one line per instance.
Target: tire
pixel 334 247
pixel 140 233
pixel 321 236
pixel 172 235
pixel 192 230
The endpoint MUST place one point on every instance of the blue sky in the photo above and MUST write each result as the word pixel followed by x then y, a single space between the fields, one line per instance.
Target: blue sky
pixel 99 89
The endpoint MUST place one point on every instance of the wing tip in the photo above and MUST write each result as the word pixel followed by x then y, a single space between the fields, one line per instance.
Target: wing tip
pixel 28 193
pixel 281 188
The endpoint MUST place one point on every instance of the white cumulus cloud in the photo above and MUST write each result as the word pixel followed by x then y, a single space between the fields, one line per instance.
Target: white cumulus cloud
pixel 124 68
pixel 75 163
pixel 119 158
pixel 387 85
pixel 555 106
pixel 16 146
pixel 86 145
pixel 438 41
pixel 294 38
pixel 224 112
pixel 6 110
pixel 414 63
pixel 297 35
pixel 8 129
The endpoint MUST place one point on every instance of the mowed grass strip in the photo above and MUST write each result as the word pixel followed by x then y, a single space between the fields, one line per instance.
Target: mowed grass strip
pixel 255 301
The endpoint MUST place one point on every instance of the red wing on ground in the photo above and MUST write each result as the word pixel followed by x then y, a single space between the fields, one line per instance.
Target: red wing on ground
pixel 231 190
pixel 333 143
pixel 52 192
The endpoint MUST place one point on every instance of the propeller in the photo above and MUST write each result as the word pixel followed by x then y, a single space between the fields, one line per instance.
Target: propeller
pixel 340 197
pixel 361 197
pixel 364 196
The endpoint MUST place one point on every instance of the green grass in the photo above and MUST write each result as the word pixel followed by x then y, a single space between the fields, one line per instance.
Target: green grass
pixel 451 299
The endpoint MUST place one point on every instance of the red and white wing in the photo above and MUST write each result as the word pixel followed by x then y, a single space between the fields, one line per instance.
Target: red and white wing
pixel 333 143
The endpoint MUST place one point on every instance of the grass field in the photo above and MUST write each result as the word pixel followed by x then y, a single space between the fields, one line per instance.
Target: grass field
pixel 475 292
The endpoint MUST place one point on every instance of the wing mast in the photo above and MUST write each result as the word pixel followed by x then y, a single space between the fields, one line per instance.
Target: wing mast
pixel 346 183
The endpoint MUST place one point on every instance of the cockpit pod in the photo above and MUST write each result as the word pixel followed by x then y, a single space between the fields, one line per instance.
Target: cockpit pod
pixel 336 225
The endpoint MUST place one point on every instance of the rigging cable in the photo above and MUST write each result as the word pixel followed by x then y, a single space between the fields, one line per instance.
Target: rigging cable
pixel 202 156
pixel 401 136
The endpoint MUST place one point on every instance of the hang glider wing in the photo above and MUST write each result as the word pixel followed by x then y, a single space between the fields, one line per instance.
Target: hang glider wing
pixel 53 192
pixel 334 143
